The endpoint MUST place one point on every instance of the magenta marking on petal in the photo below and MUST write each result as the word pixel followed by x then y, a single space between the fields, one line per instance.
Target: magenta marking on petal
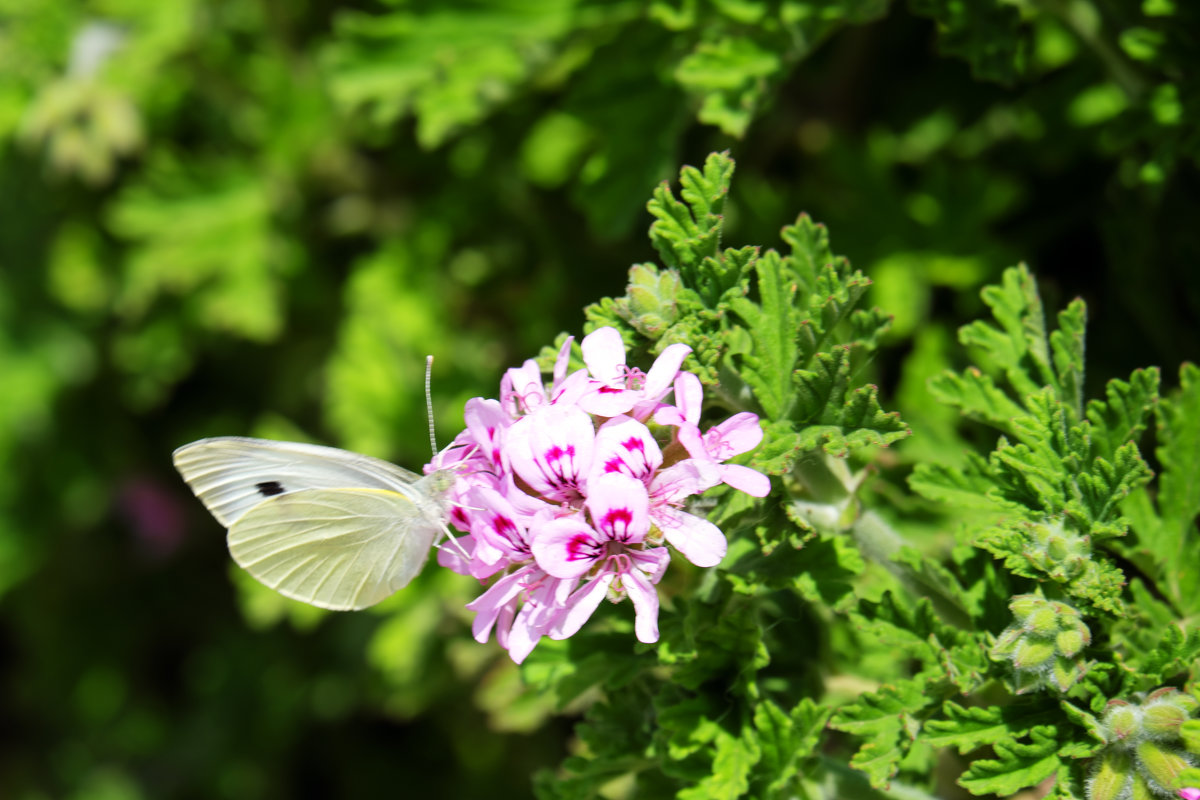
pixel 615 516
pixel 613 465
pixel 578 547
pixel 505 527
pixel 634 444
pixel 610 389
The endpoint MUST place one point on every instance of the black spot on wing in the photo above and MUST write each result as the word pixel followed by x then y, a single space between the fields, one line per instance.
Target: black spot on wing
pixel 269 488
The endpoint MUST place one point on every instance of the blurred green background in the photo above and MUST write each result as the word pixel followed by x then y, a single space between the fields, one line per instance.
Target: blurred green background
pixel 256 217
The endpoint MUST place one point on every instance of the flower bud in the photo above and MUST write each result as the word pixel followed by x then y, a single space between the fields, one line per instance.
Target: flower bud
pixel 1025 604
pixel 1110 777
pixel 1043 622
pixel 1032 653
pixel 1069 642
pixel 1190 733
pixel 1122 720
pixel 1162 765
pixel 1139 790
pixel 1064 673
pixel 1162 720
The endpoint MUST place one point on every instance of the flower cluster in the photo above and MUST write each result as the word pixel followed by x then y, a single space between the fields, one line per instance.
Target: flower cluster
pixel 567 497
pixel 1044 643
pixel 1147 751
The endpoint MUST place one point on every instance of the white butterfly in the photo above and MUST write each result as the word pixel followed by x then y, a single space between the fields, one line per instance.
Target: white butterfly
pixel 324 526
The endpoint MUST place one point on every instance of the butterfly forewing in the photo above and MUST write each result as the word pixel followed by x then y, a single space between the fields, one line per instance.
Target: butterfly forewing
pixel 232 474
pixel 334 548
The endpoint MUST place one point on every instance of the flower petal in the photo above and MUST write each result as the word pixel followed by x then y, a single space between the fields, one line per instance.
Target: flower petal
pixel 604 354
pixel 700 542
pixel 625 445
pixel 551 450
pixel 498 529
pixel 521 389
pixel 604 400
pixel 738 434
pixel 453 560
pixel 664 370
pixel 581 605
pixel 689 396
pixel 487 606
pixel 619 507
pixel 562 363
pixel 567 548
pixel 487 423
pixel 745 479
pixel 645 604
pixel 679 481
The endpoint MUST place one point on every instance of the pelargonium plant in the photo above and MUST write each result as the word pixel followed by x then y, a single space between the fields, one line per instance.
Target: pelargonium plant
pixel 575 492
pixel 1004 612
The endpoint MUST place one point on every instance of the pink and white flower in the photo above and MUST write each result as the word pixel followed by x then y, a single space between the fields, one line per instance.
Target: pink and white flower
pixel 566 497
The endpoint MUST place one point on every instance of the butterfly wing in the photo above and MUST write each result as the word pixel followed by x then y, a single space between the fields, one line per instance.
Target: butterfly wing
pixel 233 474
pixel 340 549
pixel 324 526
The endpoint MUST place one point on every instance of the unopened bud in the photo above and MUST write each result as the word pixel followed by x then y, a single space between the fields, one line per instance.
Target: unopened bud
pixel 1025 604
pixel 1139 790
pixel 1190 733
pixel 1122 720
pixel 1032 654
pixel 1163 720
pixel 1162 765
pixel 1058 548
pixel 1043 621
pixel 1069 642
pixel 1111 775
pixel 1064 673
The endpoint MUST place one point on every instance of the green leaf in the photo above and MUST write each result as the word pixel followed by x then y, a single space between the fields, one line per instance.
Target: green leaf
pixel 1017 765
pixel 977 396
pixel 204 232
pixel 772 323
pixel 987 35
pixel 731 75
pixel 1170 536
pixel 1176 652
pixel 686 233
pixel 1066 344
pixel 787 739
pixel 970 727
pixel 890 719
pixel 449 66
pixel 963 487
pixel 1018 346
pixel 734 759
pixel 837 418
pixel 1122 416
pixel 1179 453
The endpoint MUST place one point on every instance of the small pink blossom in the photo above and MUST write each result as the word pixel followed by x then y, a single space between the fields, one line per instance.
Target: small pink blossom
pixel 1189 794
pixel 616 388
pixel 736 435
pixel 565 496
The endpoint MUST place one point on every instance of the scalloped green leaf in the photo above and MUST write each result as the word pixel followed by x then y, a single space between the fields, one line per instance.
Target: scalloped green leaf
pixel 967 728
pixel 688 232
pixel 1017 765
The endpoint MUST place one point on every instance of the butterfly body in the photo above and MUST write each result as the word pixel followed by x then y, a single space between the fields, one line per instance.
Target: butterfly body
pixel 327 527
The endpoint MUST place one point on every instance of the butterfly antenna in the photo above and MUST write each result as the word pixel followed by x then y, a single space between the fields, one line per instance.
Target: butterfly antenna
pixel 429 403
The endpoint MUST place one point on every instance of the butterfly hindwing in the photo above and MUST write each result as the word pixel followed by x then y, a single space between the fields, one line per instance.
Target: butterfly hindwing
pixel 335 548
